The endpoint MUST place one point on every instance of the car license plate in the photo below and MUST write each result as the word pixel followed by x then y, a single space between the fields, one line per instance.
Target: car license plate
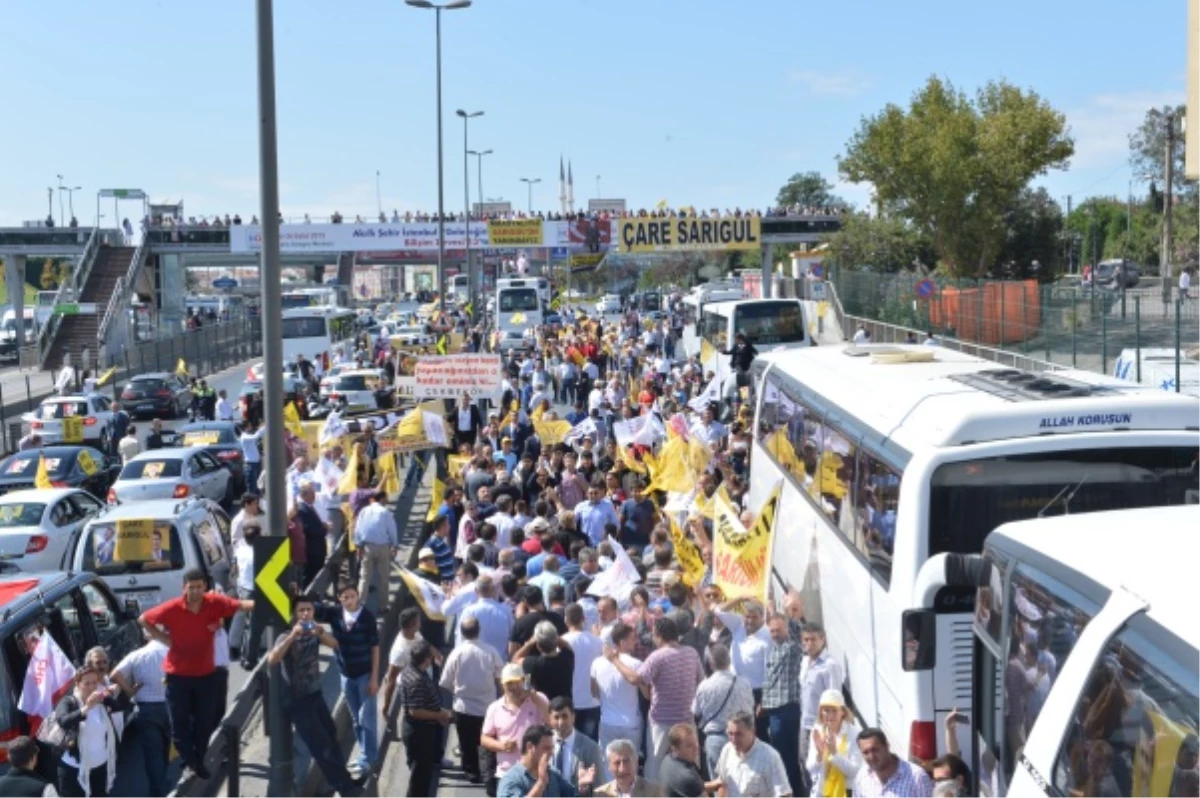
pixel 147 599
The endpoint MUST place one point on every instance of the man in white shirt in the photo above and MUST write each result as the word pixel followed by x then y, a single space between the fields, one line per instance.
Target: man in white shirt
pixel 224 406
pixel 620 716
pixel 750 645
pixel 399 655
pixel 129 447
pixel 248 516
pixel 251 453
pixel 243 557
pixel 748 766
pixel 470 676
pixel 588 649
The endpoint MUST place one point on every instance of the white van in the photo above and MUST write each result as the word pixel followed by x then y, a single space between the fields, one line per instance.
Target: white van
pixel 1157 369
pixel 193 533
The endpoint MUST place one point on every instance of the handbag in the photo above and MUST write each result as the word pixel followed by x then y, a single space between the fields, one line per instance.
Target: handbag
pixel 54 735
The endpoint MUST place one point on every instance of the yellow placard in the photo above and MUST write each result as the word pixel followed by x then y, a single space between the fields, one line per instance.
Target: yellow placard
pixel 515 233
pixel 552 432
pixel 201 438
pixel 153 470
pixel 688 555
pixel 136 540
pixel 689 233
pixel 741 557
pixel 72 429
pixel 86 464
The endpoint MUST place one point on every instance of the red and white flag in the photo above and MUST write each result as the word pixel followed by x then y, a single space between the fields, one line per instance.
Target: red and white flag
pixel 48 678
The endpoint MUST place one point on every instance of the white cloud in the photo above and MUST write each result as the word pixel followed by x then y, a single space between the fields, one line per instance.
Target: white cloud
pixel 857 194
pixel 843 82
pixel 1101 128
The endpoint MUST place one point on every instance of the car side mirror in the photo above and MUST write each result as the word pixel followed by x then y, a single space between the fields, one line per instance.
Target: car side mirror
pixel 919 636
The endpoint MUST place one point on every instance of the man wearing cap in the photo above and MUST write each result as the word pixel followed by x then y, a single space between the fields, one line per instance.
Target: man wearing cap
pixel 508 718
pixel 506 454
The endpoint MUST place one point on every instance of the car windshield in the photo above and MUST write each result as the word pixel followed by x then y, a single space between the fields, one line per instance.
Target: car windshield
pixel 514 300
pixel 770 322
pixel 26 465
pixel 145 385
pixel 132 546
pixel 62 409
pixel 352 382
pixel 15 515
pixel 156 468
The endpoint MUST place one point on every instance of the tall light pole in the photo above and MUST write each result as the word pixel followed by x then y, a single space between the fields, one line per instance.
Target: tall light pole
pixel 61 188
pixel 479 172
pixel 438 9
pixel 466 117
pixel 71 198
pixel 271 280
pixel 530 182
pixel 597 186
pixel 50 204
pixel 378 194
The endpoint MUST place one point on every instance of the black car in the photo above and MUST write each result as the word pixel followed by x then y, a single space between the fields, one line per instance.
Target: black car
pixel 221 439
pixel 67 466
pixel 158 394
pixel 78 611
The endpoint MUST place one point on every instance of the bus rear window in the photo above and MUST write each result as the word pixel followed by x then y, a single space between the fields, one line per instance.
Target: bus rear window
pixel 313 327
pixel 514 300
pixel 770 322
pixel 968 499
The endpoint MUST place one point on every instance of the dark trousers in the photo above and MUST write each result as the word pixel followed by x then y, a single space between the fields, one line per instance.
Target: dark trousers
pixel 192 702
pixel 69 786
pixel 761 729
pixel 253 470
pixel 314 725
pixel 469 728
pixel 588 722
pixel 423 749
pixel 784 723
pixel 152 738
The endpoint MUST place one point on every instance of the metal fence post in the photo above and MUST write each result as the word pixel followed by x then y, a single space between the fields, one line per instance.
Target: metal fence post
pixel 1137 335
pixel 1047 313
pixel 1074 330
pixel 233 760
pixel 28 395
pixel 1178 351
pixel 1104 343
pixel 3 421
pixel 1003 309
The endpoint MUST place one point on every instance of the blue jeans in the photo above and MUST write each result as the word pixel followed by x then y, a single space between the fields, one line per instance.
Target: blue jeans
pixel 365 717
pixel 152 737
pixel 713 743
pixel 784 723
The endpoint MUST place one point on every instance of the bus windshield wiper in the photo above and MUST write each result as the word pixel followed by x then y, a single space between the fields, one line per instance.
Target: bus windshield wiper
pixel 1069 495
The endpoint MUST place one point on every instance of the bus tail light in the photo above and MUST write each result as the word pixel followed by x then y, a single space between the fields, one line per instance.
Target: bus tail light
pixel 922 741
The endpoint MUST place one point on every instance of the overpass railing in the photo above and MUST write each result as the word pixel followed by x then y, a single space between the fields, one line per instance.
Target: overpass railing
pixel 68 290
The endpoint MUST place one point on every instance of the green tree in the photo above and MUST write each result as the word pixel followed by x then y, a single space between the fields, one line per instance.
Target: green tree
pixel 1148 149
pixel 1033 231
pixel 885 244
pixel 808 189
pixel 954 166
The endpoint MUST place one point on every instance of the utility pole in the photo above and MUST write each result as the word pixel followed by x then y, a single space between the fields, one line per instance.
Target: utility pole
pixel 1070 241
pixel 1168 225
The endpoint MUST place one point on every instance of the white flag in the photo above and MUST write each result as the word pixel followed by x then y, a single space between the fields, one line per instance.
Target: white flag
pixel 47 678
pixel 431 597
pixel 617 581
pixel 333 428
pixel 584 429
pixel 712 393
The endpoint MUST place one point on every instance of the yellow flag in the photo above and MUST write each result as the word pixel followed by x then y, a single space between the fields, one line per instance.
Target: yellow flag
pixel 291 420
pixel 688 554
pixel 348 514
pixel 389 480
pixel 537 413
pixel 630 461
pixel 105 377
pixel 349 480
pixel 457 463
pixel 669 471
pixel 781 449
pixel 551 432
pixel 831 483
pixel 707 352
pixel 741 557
pixel 441 345
pixel 435 501
pixel 181 368
pixel 42 478
pixel 698 456
pixel 412 425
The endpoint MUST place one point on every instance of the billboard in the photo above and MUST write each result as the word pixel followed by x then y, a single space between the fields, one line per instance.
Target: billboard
pixel 673 234
pixel 515 233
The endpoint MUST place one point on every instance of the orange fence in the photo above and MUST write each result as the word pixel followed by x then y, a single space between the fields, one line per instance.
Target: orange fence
pixel 995 313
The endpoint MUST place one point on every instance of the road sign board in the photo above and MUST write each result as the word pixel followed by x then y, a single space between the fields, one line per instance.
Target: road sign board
pixel 225 282
pixel 272 556
pixel 925 288
pixel 76 308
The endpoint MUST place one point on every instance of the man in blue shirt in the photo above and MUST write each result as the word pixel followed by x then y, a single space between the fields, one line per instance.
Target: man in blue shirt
pixel 638 516
pixel 534 775
pixel 592 514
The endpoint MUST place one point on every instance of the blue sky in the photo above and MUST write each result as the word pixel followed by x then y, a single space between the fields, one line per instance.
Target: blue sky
pixel 700 103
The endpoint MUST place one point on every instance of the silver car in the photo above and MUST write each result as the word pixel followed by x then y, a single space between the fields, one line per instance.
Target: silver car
pixel 181 473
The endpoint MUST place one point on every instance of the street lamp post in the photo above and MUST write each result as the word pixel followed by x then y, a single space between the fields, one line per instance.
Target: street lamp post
pixel 378 194
pixel 530 182
pixel 61 188
pixel 597 186
pixel 466 117
pixel 479 172
pixel 71 198
pixel 438 9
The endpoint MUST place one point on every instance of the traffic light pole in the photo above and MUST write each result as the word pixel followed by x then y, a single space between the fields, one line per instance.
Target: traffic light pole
pixel 280 782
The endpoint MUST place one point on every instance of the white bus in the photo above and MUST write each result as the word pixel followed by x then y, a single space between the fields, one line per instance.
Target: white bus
pixel 1085 653
pixel 886 461
pixel 768 324
pixel 519 305
pixel 693 308
pixel 460 288
pixel 310 297
pixel 317 332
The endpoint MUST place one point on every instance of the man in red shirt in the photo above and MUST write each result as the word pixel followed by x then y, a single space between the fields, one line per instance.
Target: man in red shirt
pixel 187 626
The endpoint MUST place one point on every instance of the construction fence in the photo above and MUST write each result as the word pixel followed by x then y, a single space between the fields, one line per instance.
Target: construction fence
pixel 204 351
pixel 1063 324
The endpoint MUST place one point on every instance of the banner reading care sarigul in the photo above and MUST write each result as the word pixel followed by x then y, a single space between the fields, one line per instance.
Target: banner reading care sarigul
pixel 585 235
pixel 654 234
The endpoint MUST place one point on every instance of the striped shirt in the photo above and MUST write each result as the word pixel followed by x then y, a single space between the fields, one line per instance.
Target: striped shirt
pixel 673 673
pixel 906 781
pixel 418 691
pixel 443 556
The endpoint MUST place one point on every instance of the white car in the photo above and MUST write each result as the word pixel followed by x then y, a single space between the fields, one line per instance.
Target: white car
pixel 172 474
pixel 92 410
pixel 412 335
pixel 356 386
pixel 609 303
pixel 36 525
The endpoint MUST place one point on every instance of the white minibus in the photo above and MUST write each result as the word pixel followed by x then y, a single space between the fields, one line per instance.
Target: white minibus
pixel 519 306
pixel 317 332
pixel 1085 653
pixel 889 455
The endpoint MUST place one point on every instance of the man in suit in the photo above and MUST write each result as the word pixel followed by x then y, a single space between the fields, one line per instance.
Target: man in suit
pixel 622 764
pixel 466 421
pixel 574 751
pixel 316 549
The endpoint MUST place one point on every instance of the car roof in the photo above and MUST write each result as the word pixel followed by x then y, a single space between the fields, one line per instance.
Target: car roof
pixel 69 397
pixel 46 581
pixel 359 373
pixel 68 450
pixel 40 495
pixel 152 375
pixel 203 425
pixel 155 508
pixel 174 453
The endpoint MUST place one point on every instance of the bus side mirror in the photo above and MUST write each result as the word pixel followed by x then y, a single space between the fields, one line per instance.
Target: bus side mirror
pixel 919 633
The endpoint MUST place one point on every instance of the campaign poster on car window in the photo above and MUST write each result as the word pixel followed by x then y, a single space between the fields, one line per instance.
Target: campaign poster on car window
pixel 132 540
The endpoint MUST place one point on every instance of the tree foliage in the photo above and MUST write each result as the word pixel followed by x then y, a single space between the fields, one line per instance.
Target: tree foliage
pixel 884 244
pixel 1033 228
pixel 1148 149
pixel 809 189
pixel 954 166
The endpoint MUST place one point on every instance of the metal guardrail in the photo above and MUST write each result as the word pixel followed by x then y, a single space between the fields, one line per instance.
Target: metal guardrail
pixel 67 289
pixel 119 300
